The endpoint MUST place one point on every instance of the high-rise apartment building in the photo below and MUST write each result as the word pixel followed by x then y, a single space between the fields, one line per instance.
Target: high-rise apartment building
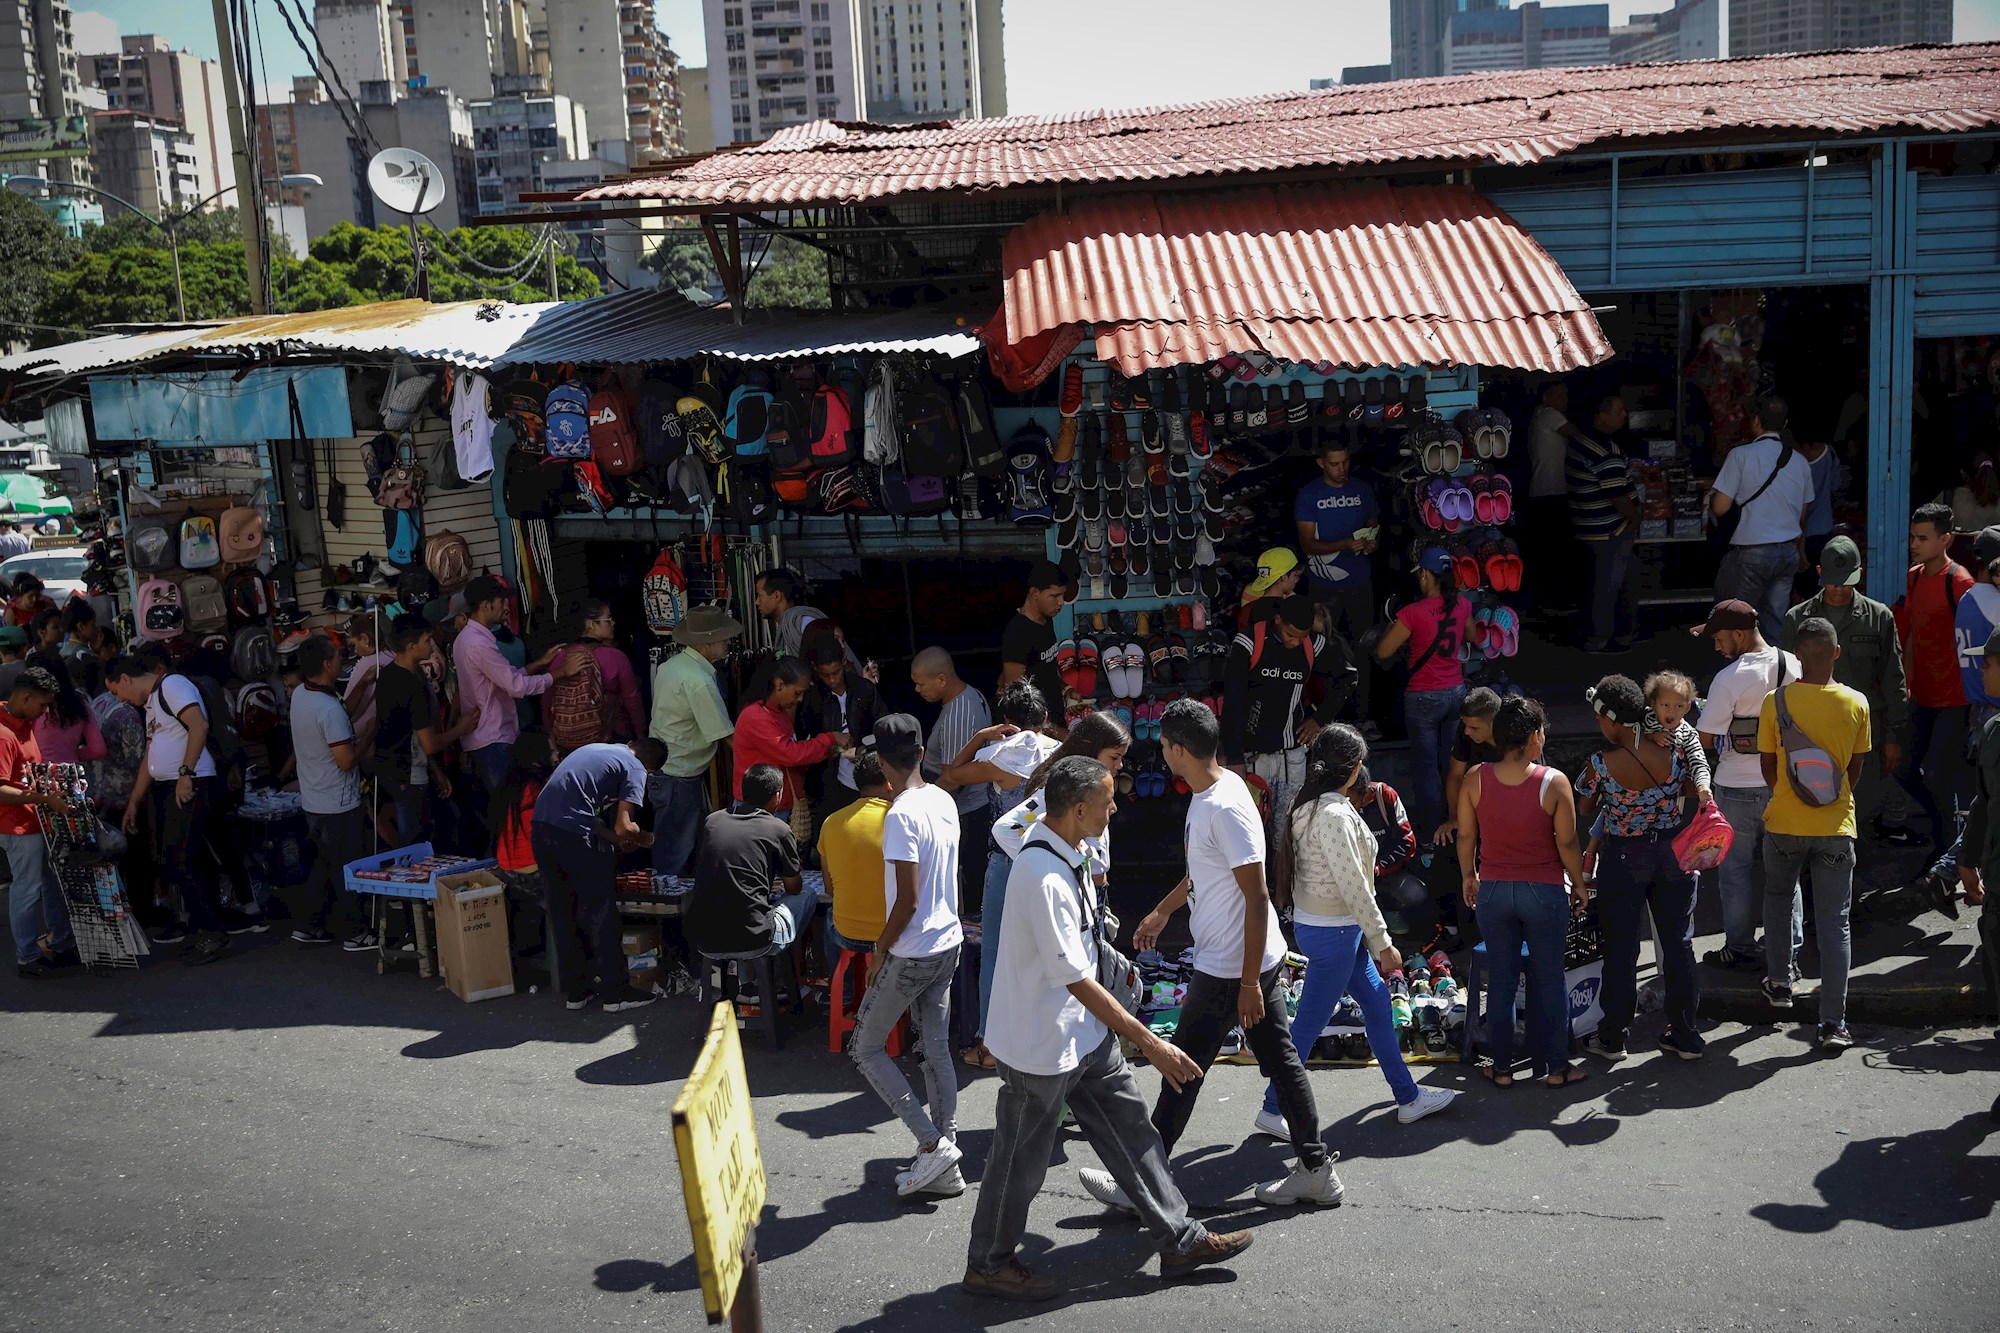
pixel 1766 27
pixel 775 63
pixel 697 129
pixel 1531 37
pixel 1417 33
pixel 1691 30
pixel 435 122
pixel 363 40
pixel 610 57
pixel 515 135
pixel 147 160
pixel 39 79
pixel 147 74
pixel 455 46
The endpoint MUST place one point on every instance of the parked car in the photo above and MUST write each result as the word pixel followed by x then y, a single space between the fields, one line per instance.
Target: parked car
pixel 60 568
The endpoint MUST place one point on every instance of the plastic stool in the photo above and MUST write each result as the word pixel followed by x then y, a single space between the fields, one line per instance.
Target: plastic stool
pixel 1475 989
pixel 839 1018
pixel 714 985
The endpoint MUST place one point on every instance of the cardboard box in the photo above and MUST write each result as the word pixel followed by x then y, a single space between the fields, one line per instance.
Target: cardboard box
pixel 642 955
pixel 472 946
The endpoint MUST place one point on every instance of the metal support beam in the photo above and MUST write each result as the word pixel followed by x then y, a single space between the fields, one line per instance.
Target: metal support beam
pixel 1891 370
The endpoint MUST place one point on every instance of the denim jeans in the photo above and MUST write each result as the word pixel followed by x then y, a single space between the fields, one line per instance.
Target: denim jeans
pixel 1337 964
pixel 992 902
pixel 1111 1112
pixel 1762 576
pixel 1635 874
pixel 1832 862
pixel 34 887
pixel 789 919
pixel 490 763
pixel 921 986
pixel 679 806
pixel 1207 1015
pixel 1739 880
pixel 1934 775
pixel 1513 912
pixel 1611 608
pixel 1432 719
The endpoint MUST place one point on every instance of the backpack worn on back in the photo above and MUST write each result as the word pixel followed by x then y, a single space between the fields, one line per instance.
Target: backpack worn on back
pixel 664 593
pixel 1257 637
pixel 984 455
pixel 199 547
pixel 159 613
pixel 225 743
pixel 614 435
pixel 449 560
pixel 567 413
pixel 1816 779
pixel 203 603
pixel 154 546
pixel 928 431
pixel 576 705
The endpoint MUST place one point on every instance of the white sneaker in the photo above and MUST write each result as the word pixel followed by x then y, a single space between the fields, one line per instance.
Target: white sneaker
pixel 1104 1188
pixel 947 1186
pixel 903 1176
pixel 1232 1044
pixel 929 1166
pixel 1428 1100
pixel 1320 1188
pixel 1272 1124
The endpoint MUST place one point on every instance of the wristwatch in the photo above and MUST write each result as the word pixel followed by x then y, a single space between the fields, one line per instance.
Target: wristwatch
pixel 186 772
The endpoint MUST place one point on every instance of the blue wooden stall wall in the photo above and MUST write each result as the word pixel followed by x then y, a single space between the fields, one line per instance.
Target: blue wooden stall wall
pixel 1927 246
pixel 217 408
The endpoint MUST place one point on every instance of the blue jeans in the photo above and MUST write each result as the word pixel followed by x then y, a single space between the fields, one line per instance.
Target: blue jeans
pixel 920 986
pixel 34 886
pixel 1611 611
pixel 1934 776
pixel 1762 576
pixel 1739 879
pixel 1513 912
pixel 1634 874
pixel 789 919
pixel 679 806
pixel 1832 862
pixel 1432 719
pixel 1337 964
pixel 993 901
pixel 490 763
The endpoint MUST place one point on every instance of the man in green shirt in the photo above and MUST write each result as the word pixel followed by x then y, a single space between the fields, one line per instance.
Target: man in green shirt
pixel 1981 842
pixel 1870 661
pixel 690 717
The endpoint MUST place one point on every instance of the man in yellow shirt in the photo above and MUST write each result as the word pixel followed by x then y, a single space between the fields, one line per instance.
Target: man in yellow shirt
pixel 1832 718
pixel 850 857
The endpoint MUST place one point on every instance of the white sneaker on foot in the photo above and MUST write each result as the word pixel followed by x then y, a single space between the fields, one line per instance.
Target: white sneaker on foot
pixel 1428 1100
pixel 949 1185
pixel 1319 1187
pixel 1272 1124
pixel 929 1166
pixel 1104 1187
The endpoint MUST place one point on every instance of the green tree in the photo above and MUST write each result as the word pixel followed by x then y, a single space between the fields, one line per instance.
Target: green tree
pixel 32 248
pixel 792 277
pixel 135 284
pixel 683 261
pixel 218 227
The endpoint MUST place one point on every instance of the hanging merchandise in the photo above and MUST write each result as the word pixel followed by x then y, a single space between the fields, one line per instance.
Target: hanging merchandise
pixel 471 431
pixel 199 547
pixel 241 531
pixel 405 395
pixel 402 482
pixel 614 435
pixel 158 611
pixel 664 593
pixel 567 418
pixel 701 414
pixel 448 557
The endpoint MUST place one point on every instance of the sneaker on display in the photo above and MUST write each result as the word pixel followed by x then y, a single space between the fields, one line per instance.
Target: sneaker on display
pixel 1104 1187
pixel 1428 1102
pixel 1318 1186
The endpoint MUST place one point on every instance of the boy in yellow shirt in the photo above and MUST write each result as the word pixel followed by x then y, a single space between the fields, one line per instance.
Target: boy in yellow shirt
pixel 850 859
pixel 1833 718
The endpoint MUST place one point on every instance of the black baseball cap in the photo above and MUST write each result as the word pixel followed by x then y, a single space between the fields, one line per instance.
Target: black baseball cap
pixel 898 737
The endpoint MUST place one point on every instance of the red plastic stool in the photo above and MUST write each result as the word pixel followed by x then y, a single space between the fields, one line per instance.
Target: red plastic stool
pixel 840 1018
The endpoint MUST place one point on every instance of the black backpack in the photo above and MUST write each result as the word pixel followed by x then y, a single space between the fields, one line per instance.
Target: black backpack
pixel 225 743
pixel 534 486
pixel 984 454
pixel 928 429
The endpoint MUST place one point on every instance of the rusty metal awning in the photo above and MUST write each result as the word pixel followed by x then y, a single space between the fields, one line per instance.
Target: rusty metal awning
pixel 1365 275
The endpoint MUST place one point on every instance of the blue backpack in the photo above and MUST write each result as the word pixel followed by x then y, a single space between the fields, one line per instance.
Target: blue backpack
pixel 748 418
pixel 407 539
pixel 568 415
pixel 1028 477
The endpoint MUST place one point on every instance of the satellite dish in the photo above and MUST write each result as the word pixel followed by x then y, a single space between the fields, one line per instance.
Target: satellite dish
pixel 406 180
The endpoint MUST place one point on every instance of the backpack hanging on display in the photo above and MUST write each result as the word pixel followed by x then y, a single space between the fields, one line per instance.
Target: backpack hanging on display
pixel 913 495
pixel 449 559
pixel 525 401
pixel 614 435
pixel 576 705
pixel 928 431
pixel 701 416
pixel 532 485
pixel 688 489
pixel 158 612
pixel 252 654
pixel 378 455
pixel 984 455
pixel 154 545
pixel 750 490
pixel 838 490
pixel 245 596
pixel 663 592
pixel 442 473
pixel 880 446
pixel 660 438
pixel 202 603
pixel 831 427
pixel 749 416
pixel 404 396
pixel 1028 477
pixel 407 539
pixel 256 708
pixel 199 547
pixel 403 484
pixel 567 414
pixel 241 531
pixel 596 496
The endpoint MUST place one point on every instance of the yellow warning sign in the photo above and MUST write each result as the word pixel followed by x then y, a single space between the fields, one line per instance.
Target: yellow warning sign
pixel 722 1173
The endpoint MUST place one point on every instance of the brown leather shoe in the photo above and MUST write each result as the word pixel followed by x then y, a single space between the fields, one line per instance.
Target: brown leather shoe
pixel 1217 1247
pixel 1015 1282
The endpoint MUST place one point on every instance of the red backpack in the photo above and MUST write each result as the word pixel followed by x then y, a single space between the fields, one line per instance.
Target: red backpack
pixel 614 432
pixel 576 705
pixel 832 427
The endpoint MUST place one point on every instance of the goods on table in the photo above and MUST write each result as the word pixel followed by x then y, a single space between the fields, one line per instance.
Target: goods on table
pixel 421 871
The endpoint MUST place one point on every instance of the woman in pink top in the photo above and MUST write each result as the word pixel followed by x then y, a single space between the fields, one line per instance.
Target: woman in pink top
pixel 1434 629
pixel 1516 840
pixel 67 730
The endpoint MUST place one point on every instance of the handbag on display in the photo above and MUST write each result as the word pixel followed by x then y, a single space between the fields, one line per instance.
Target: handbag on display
pixel 403 484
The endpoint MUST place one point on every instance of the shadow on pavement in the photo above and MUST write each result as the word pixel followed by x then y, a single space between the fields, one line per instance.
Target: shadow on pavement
pixel 1911 1182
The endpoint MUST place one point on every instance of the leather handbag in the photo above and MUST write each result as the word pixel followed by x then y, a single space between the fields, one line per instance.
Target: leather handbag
pixel 403 484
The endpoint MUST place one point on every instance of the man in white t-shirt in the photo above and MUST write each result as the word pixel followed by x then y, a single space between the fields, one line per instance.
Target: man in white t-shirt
pixel 329 783
pixel 1735 698
pixel 1238 946
pixel 1770 484
pixel 916 957
pixel 1054 1032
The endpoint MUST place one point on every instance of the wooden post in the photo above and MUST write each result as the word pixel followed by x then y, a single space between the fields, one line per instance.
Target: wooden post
pixel 747 1314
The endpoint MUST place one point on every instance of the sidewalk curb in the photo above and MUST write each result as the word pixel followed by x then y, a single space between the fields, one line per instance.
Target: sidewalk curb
pixel 1906 1006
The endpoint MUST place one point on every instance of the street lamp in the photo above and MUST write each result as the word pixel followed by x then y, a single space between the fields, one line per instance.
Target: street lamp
pixel 169 223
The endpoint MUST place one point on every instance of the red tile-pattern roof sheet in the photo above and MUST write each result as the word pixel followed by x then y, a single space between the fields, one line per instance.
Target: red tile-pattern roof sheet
pixel 1512 117
pixel 1364 275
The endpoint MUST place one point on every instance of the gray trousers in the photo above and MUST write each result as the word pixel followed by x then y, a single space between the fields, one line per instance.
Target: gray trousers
pixel 1832 862
pixel 1027 1114
pixel 920 986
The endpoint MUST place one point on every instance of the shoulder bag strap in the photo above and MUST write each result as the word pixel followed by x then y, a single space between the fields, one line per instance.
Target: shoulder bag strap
pixel 1784 458
pixel 1084 895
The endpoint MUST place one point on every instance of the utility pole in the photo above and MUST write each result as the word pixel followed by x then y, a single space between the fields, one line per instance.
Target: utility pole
pixel 249 199
pixel 554 234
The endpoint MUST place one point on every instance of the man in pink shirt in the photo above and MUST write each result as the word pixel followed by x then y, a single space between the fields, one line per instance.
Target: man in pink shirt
pixel 489 682
pixel 624 717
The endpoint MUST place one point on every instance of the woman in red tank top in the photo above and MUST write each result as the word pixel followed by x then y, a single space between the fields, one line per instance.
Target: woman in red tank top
pixel 1516 841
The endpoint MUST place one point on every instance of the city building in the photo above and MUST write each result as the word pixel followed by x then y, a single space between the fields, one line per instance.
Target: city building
pixel 613 61
pixel 277 138
pixel 697 131
pixel 1691 30
pixel 147 74
pixel 1531 37
pixel 435 122
pixel 516 134
pixel 1766 27
pixel 1359 74
pixel 149 161
pixel 455 47
pixel 39 81
pixel 1417 34
pixel 789 62
pixel 363 39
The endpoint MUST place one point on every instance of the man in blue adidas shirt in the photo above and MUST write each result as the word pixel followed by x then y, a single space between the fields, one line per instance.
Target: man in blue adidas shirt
pixel 1336 517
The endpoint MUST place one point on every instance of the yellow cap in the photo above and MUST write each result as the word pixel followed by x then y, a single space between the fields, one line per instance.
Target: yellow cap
pixel 1272 565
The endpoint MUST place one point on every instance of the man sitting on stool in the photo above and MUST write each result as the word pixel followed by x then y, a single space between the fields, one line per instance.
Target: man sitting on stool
pixel 733 910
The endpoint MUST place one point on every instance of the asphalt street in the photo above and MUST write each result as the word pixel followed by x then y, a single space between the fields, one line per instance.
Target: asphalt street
pixel 287 1141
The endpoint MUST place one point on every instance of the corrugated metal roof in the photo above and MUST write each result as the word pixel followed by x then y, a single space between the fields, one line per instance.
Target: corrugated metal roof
pixel 472 334
pixel 1512 117
pixel 87 354
pixel 1364 275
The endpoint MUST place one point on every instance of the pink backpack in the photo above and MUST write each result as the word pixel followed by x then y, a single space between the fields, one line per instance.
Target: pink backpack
pixel 159 612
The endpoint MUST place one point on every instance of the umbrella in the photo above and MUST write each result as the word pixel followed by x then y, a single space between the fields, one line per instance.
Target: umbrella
pixel 23 494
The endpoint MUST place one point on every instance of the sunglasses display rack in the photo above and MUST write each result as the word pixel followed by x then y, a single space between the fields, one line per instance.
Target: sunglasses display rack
pixel 107 934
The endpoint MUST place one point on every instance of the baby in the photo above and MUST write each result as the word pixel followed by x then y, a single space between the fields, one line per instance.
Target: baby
pixel 1671 695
